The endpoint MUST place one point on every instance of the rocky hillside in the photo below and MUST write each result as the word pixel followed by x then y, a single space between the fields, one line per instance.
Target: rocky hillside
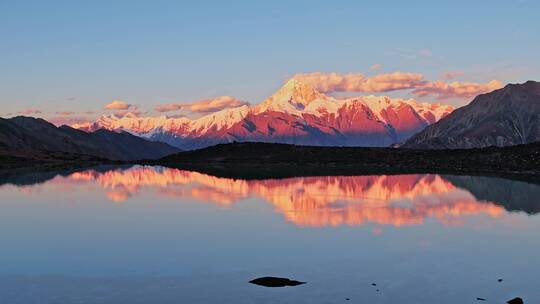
pixel 33 136
pixel 504 117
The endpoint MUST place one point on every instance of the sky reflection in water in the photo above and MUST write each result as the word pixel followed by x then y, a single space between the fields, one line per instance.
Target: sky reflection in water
pixel 305 201
pixel 423 235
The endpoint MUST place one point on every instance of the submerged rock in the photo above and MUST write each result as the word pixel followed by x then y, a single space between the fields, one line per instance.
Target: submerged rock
pixel 275 282
pixel 515 301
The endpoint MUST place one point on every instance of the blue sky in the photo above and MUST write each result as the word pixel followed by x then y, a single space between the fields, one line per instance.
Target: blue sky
pixel 80 55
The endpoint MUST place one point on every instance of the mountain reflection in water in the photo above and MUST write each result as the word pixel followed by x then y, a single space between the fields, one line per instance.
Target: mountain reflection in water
pixel 321 201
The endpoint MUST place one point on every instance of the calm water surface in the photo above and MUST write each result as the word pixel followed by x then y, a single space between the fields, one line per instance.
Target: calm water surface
pixel 160 235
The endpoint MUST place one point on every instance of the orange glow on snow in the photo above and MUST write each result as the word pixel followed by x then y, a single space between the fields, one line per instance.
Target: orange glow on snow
pixel 395 200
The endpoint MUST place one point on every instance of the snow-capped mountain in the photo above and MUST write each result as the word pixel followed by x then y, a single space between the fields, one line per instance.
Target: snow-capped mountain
pixel 295 97
pixel 296 113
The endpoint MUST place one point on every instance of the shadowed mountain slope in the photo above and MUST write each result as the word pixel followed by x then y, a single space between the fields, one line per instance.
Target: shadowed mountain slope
pixel 504 117
pixel 33 136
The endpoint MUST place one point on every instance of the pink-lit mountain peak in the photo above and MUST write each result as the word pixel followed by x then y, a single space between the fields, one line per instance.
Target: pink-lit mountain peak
pixel 293 97
pixel 297 97
pixel 297 113
pixel 297 91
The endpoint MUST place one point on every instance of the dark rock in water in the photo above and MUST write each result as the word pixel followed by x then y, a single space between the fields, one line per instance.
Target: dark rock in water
pixel 373 284
pixel 515 301
pixel 499 280
pixel 480 299
pixel 347 299
pixel 275 282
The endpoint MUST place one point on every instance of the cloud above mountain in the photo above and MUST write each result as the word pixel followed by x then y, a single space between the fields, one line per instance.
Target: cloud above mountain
pixel 117 105
pixel 456 89
pixel 414 84
pixel 203 106
pixel 386 82
pixel 357 82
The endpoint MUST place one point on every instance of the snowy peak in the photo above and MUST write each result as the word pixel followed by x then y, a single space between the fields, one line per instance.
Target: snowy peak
pixel 430 112
pixel 147 126
pixel 299 92
pixel 296 113
pixel 219 120
pixel 135 124
pixel 293 98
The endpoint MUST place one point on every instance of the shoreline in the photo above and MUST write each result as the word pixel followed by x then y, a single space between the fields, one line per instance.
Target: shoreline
pixel 265 160
pixel 262 159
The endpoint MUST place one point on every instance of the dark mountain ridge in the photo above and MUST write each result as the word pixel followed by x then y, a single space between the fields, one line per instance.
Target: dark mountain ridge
pixel 504 117
pixel 31 136
pixel 263 160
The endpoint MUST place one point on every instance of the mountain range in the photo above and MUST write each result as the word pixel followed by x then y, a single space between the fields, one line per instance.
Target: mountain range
pixel 504 117
pixel 26 135
pixel 296 114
